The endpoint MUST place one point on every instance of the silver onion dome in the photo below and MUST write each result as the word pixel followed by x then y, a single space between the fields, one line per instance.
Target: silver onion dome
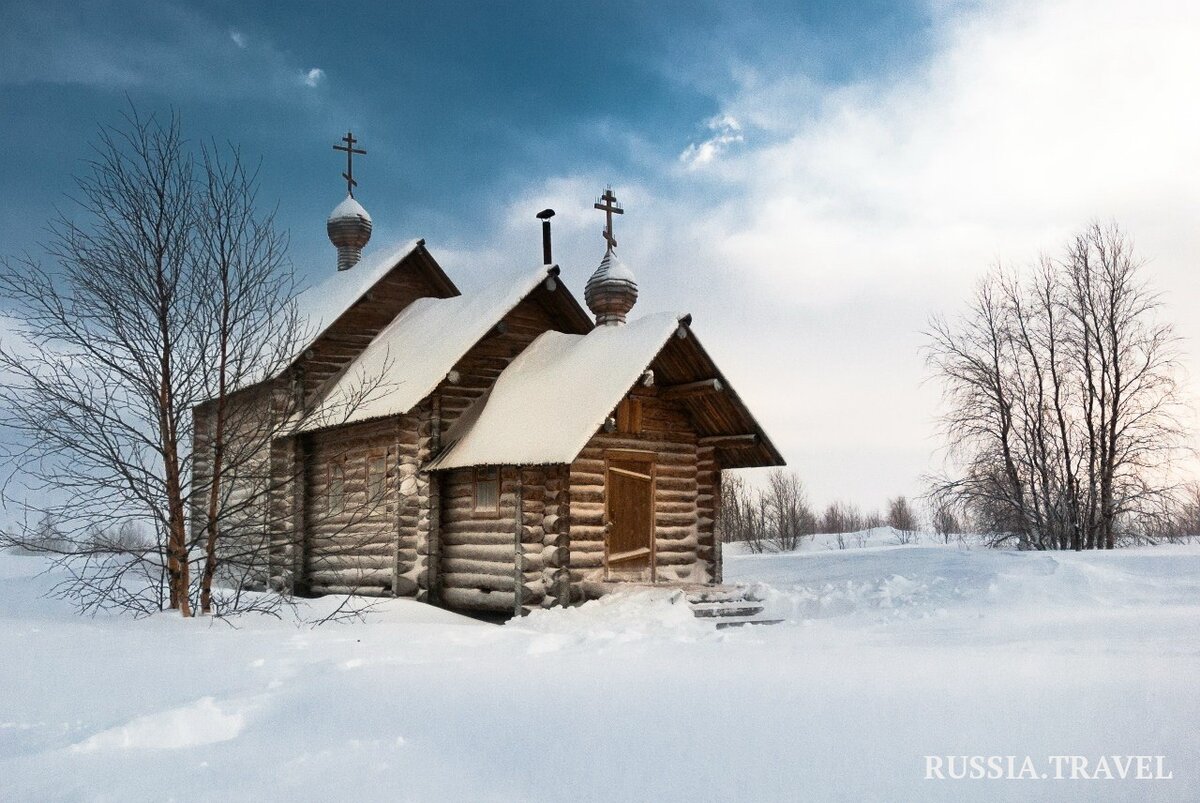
pixel 611 292
pixel 349 228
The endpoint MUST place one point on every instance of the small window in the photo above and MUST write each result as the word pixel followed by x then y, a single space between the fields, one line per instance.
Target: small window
pixel 487 490
pixel 377 479
pixel 337 488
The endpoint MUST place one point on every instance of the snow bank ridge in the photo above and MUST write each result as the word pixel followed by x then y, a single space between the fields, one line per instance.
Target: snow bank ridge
pixel 201 722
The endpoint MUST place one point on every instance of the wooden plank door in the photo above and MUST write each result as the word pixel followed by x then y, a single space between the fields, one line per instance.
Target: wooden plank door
pixel 629 496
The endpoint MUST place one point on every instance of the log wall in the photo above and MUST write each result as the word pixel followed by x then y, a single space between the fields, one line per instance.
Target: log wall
pixel 369 545
pixel 683 501
pixel 243 500
pixel 285 564
pixel 511 560
pixel 478 370
pixel 708 497
pixel 372 546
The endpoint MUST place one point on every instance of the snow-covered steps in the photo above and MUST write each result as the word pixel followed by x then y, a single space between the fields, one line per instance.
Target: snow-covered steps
pixel 724 605
pixel 729 606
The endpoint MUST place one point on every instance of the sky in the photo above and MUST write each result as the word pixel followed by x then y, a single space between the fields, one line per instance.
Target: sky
pixel 811 180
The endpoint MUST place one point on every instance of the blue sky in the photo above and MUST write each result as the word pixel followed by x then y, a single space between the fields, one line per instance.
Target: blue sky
pixel 810 180
pixel 460 104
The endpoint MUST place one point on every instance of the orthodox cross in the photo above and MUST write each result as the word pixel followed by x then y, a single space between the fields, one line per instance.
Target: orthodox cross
pixel 610 207
pixel 350 151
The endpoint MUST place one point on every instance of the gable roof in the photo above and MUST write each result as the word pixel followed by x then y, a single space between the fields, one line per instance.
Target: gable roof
pixel 685 361
pixel 411 356
pixel 553 398
pixel 549 402
pixel 320 305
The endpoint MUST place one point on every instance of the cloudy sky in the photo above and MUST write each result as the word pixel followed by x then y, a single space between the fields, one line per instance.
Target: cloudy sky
pixel 812 180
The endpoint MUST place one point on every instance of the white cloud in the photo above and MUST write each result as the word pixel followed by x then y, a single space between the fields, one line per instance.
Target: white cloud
pixel 726 131
pixel 313 77
pixel 814 257
pixel 238 38
pixel 1026 123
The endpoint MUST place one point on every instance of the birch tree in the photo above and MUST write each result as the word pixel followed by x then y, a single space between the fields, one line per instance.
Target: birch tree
pixel 164 285
pixel 1061 406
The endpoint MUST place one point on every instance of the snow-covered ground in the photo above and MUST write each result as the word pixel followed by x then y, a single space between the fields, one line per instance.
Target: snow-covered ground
pixel 888 654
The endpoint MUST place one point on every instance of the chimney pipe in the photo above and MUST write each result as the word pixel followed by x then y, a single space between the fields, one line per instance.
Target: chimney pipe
pixel 545 216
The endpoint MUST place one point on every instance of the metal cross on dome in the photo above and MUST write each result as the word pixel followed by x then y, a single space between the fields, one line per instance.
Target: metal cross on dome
pixel 610 207
pixel 350 151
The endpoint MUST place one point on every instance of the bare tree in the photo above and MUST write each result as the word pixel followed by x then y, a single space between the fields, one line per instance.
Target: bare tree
pixel 841 517
pixel 1061 401
pixel 158 295
pixel 945 521
pixel 902 518
pixel 742 516
pixel 775 517
pixel 790 516
pixel 253 334
pixel 1182 521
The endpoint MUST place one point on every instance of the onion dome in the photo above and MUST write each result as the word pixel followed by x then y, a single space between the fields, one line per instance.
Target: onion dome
pixel 611 292
pixel 349 228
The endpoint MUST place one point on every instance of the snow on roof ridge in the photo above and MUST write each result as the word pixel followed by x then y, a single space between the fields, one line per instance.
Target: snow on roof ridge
pixel 323 303
pixel 319 305
pixel 561 387
pixel 411 356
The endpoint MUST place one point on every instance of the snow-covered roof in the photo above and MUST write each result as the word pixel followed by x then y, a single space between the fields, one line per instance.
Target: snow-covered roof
pixel 318 306
pixel 349 208
pixel 414 353
pixel 322 304
pixel 550 400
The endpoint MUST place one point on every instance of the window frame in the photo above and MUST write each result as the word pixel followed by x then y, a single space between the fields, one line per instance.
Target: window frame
pixel 478 479
pixel 377 495
pixel 336 470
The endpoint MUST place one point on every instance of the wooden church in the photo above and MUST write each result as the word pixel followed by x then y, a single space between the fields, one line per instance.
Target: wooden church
pixel 497 450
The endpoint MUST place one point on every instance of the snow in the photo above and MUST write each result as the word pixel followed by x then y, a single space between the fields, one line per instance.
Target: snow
pixel 349 208
pixel 415 352
pixel 322 304
pixel 888 654
pixel 612 268
pixel 620 617
pixel 875 537
pixel 198 723
pixel 561 389
pixel 319 305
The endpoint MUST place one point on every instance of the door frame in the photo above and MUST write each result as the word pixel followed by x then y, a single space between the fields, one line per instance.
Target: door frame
pixel 633 456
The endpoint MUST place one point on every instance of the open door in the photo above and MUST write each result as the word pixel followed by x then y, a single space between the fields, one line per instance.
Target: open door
pixel 629 494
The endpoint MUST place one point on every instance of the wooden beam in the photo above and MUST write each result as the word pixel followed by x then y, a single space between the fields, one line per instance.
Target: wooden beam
pixel 633 554
pixel 704 386
pixel 730 441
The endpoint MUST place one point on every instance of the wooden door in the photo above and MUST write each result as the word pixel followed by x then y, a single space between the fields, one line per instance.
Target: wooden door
pixel 629 492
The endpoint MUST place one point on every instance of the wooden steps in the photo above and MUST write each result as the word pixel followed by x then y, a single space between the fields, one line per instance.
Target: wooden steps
pixel 724 606
pixel 729 606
